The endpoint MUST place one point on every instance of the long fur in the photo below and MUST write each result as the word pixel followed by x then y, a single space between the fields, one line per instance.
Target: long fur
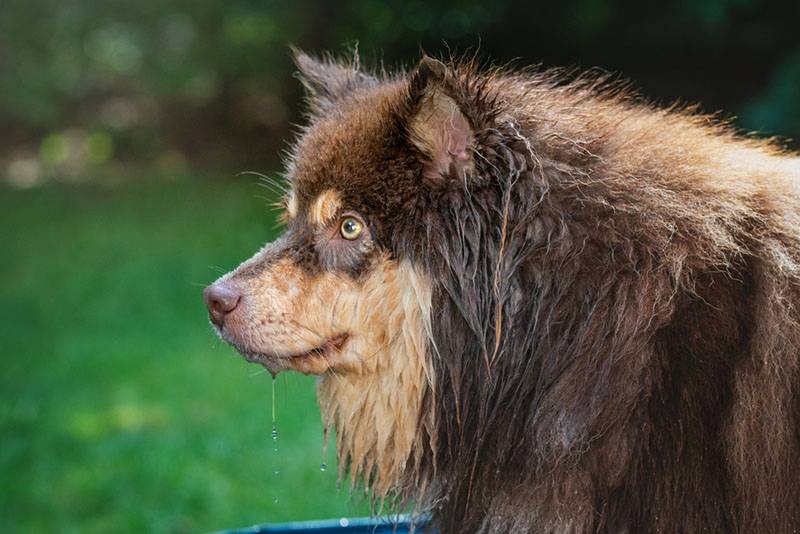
pixel 616 290
pixel 593 308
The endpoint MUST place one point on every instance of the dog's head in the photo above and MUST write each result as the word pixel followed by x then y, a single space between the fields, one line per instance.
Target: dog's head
pixel 339 290
pixel 346 291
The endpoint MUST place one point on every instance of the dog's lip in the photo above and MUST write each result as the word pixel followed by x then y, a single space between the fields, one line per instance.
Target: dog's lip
pixel 331 345
pixel 326 349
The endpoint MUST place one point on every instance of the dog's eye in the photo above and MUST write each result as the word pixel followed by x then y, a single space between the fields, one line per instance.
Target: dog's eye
pixel 351 228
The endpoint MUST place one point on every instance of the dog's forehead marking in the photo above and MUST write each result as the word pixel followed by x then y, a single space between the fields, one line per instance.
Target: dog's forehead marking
pixel 324 207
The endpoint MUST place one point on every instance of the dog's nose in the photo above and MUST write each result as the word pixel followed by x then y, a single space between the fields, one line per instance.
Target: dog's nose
pixel 221 300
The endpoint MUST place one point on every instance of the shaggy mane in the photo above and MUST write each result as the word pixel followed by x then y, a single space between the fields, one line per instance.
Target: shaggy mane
pixel 610 327
pixel 617 334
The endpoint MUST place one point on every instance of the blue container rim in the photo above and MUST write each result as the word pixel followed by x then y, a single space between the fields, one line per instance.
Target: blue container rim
pixel 399 524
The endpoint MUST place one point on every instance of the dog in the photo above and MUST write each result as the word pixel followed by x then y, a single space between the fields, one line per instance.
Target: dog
pixel 535 301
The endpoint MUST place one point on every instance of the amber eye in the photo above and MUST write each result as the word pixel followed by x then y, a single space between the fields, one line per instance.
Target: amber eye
pixel 351 228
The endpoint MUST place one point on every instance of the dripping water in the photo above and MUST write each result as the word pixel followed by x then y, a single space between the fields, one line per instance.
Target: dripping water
pixel 323 466
pixel 274 422
pixel 275 470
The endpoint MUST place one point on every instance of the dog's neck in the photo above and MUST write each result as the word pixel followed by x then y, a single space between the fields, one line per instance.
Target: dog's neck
pixel 377 413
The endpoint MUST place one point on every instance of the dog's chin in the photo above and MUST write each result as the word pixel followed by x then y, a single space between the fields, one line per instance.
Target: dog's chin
pixel 315 361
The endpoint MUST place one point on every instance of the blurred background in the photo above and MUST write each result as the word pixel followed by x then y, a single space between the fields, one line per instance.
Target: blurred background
pixel 124 130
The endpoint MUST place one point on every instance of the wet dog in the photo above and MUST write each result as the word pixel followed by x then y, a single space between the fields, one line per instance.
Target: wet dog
pixel 537 304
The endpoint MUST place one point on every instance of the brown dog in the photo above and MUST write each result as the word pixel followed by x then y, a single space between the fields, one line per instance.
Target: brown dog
pixel 537 305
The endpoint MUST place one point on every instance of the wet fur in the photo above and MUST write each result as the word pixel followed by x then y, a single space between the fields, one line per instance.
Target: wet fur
pixel 621 334
pixel 613 340
pixel 383 429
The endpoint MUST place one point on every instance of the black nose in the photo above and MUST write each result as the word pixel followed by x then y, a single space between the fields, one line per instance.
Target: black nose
pixel 221 300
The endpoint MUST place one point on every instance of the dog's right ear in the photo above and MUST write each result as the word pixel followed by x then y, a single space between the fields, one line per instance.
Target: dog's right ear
pixel 438 126
pixel 327 81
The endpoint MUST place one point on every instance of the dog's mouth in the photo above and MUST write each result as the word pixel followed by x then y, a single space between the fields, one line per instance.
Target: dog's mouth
pixel 313 361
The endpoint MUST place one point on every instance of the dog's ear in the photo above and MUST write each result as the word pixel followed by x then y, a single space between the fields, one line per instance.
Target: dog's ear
pixel 327 80
pixel 438 126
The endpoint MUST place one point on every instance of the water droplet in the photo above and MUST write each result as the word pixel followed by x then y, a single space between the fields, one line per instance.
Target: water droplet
pixel 273 401
pixel 343 522
pixel 323 466
pixel 275 500
pixel 274 432
pixel 276 472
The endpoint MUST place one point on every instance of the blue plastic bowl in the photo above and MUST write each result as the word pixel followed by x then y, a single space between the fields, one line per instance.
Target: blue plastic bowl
pixel 361 525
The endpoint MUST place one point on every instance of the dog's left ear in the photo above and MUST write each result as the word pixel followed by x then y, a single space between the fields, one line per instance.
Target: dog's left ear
pixel 438 127
pixel 328 81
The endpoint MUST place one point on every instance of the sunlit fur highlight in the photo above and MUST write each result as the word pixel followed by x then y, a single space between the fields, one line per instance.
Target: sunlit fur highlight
pixel 291 206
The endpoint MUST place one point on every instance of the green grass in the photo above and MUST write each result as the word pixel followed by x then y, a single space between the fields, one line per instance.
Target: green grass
pixel 119 408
